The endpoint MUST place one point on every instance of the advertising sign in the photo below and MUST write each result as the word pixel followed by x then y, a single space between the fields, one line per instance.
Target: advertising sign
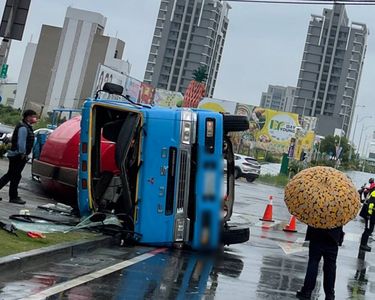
pixel 106 74
pixel 217 105
pixel 272 130
pixel 146 94
pixel 168 98
pixel 132 87
pixel 269 130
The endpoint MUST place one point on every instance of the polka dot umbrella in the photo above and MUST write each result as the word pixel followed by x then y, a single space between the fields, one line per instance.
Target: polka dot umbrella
pixel 322 197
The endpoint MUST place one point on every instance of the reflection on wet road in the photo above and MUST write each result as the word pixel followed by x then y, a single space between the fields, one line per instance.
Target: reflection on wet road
pixel 169 275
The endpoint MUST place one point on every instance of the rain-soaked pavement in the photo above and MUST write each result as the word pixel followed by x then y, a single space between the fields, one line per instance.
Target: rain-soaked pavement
pixel 271 265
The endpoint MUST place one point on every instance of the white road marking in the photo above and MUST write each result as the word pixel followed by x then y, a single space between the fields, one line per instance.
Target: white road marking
pixel 293 247
pixel 352 237
pixel 92 276
pixel 265 224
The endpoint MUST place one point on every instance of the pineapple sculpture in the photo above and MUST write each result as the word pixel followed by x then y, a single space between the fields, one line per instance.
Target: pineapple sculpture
pixel 196 88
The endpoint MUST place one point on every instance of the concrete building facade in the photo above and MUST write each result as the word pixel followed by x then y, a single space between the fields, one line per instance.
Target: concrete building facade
pixel 331 70
pixel 188 34
pixel 8 93
pixel 278 98
pixel 65 62
pixel 25 72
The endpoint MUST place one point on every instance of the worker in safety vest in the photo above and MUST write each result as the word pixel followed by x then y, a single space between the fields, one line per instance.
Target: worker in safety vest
pixel 369 222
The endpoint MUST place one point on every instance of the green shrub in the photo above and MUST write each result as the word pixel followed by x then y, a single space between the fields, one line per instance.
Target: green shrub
pixel 277 180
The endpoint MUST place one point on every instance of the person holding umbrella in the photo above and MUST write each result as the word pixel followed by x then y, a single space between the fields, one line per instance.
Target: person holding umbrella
pixel 325 199
pixel 369 216
pixel 323 243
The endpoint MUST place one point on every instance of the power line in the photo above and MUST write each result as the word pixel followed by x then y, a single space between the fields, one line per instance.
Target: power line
pixel 304 2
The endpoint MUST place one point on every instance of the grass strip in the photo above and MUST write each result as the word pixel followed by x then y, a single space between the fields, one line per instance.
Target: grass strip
pixel 11 244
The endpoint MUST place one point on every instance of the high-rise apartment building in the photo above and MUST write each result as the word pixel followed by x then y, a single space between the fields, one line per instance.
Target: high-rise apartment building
pixel 61 69
pixel 188 33
pixel 278 98
pixel 331 70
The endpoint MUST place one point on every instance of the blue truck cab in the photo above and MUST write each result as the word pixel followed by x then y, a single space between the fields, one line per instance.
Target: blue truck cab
pixel 168 186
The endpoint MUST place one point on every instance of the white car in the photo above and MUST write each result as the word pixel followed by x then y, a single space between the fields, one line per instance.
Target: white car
pixel 245 166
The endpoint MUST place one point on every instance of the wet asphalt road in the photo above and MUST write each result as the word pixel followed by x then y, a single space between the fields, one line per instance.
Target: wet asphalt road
pixel 271 265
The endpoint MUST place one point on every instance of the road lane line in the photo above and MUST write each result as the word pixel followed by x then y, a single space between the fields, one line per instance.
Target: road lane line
pixel 61 287
pixel 293 247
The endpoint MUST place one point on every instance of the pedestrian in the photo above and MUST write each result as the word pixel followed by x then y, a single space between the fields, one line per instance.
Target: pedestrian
pixel 22 144
pixel 323 243
pixel 368 213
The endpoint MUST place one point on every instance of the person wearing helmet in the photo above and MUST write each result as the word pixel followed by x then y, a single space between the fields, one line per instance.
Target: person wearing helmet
pixel 371 184
pixel 369 216
pixel 366 189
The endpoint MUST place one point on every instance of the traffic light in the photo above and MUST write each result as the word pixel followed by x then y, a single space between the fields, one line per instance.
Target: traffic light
pixel 4 71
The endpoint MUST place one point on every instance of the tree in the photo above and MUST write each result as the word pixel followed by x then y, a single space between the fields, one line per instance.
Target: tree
pixel 330 143
pixel 196 88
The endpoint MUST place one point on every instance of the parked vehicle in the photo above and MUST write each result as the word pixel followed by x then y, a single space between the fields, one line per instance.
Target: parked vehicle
pixel 158 169
pixel 245 166
pixel 5 133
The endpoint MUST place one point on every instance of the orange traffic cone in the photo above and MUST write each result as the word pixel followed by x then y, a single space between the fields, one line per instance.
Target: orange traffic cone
pixel 291 227
pixel 267 216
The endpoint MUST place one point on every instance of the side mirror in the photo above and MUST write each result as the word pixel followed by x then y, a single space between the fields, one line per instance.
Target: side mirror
pixel 112 88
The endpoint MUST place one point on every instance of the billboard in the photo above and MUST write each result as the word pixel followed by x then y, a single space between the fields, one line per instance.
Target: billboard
pixel 132 87
pixel 218 105
pixel 105 74
pixel 269 130
pixel 168 98
pixel 146 94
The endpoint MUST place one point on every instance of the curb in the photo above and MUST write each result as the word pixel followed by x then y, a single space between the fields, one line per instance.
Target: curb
pixel 19 262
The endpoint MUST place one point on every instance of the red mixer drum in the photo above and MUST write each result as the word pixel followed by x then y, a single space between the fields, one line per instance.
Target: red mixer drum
pixel 56 168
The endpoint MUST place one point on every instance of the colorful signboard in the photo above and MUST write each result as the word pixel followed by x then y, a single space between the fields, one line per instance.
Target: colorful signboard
pixel 132 87
pixel 168 98
pixel 270 130
pixel 146 94
pixel 105 74
pixel 218 105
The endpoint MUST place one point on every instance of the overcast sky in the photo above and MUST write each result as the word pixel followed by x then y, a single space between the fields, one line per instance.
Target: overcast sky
pixel 264 43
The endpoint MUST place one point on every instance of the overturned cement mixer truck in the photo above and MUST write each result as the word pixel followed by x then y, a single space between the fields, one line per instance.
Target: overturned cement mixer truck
pixel 160 169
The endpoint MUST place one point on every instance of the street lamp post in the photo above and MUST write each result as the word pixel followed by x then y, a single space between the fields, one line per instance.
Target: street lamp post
pixel 355 127
pixel 342 129
pixel 360 138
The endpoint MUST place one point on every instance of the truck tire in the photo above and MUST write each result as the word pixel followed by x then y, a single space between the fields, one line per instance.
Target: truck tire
pixel 234 235
pixel 234 123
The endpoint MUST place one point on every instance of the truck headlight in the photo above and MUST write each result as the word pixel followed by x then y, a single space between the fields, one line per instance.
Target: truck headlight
pixel 188 118
pixel 186 132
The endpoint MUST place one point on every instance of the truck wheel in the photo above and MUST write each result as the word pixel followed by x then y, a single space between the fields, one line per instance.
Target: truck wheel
pixel 250 179
pixel 235 123
pixel 235 235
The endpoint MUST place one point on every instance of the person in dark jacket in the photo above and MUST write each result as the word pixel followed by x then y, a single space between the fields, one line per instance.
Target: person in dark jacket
pixel 22 144
pixel 323 243
pixel 369 221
